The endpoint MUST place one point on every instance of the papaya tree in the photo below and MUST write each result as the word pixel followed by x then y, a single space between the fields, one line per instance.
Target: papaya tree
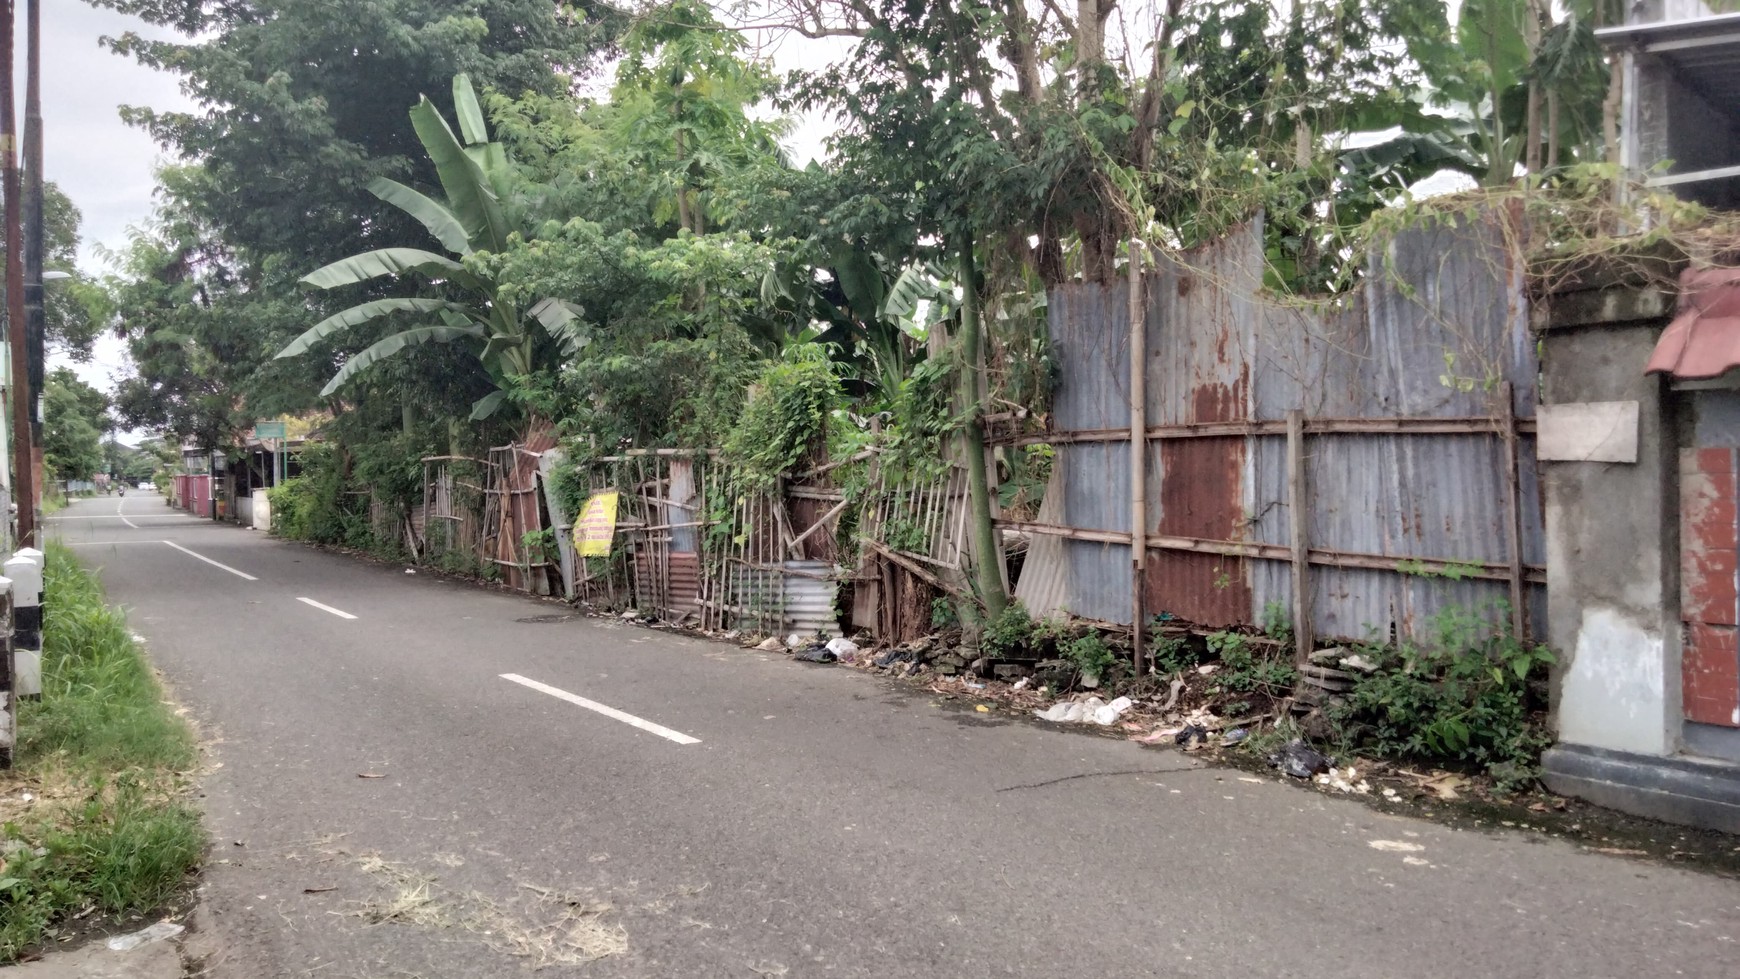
pixel 507 341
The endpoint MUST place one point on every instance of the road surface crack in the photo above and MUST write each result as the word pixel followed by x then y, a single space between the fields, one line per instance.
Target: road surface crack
pixel 1071 778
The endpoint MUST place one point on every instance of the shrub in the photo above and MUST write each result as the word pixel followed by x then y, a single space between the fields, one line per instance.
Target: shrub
pixel 1009 633
pixel 1464 696
pixel 1247 667
pixel 1091 655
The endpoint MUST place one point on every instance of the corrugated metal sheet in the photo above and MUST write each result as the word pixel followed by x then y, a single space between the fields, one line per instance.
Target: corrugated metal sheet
pixel 1202 341
pixel 1440 326
pixel 1043 587
pixel 808 602
pixel 1092 393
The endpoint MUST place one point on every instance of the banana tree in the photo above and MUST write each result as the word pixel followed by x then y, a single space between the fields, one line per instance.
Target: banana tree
pixel 474 176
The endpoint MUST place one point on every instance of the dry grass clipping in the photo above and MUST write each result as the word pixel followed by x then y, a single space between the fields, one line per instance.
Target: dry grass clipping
pixel 551 928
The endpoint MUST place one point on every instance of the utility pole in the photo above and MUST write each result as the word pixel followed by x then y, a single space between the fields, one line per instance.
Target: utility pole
pixel 34 318
pixel 23 480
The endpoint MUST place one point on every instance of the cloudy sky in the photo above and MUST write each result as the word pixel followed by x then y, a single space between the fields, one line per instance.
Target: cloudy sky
pixel 103 164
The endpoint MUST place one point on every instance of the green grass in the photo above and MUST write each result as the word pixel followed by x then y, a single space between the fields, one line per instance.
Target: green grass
pixel 106 758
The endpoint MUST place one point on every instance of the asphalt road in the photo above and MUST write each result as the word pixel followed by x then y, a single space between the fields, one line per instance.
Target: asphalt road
pixel 781 819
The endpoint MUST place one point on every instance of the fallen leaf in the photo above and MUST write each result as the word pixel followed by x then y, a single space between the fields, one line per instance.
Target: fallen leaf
pixel 320 890
pixel 1417 861
pixel 1445 786
pixel 982 709
pixel 369 775
pixel 1616 851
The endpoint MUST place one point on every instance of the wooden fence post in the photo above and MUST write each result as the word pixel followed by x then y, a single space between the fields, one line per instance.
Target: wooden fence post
pixel 1506 419
pixel 1299 516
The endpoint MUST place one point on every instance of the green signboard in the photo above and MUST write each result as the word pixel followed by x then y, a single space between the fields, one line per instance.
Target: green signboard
pixel 268 430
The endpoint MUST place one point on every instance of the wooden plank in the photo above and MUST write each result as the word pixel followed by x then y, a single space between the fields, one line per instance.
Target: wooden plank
pixel 1299 516
pixel 916 569
pixel 1506 418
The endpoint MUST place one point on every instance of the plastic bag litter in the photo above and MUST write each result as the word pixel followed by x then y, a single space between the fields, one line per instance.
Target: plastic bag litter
pixel 1090 711
pixel 145 936
pixel 1299 759
pixel 1064 712
pixel 845 649
pixel 1191 736
pixel 1234 736
pixel 892 657
pixel 795 641
pixel 817 654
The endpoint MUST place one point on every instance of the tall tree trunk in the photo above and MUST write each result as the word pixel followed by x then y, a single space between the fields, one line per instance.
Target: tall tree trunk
pixel 987 558
pixel 1610 110
pixel 1552 128
pixel 1090 45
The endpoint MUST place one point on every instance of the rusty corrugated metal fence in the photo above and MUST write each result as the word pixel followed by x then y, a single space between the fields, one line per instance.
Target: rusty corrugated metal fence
pixel 1398 422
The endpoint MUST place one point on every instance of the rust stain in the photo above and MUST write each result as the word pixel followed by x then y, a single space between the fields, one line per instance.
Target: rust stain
pixel 1201 490
pixel 1710 585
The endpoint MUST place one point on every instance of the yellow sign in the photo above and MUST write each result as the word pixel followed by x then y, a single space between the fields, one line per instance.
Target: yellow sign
pixel 596 526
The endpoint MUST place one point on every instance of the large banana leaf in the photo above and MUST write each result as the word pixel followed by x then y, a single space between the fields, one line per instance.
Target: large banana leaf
pixel 491 158
pixel 487 405
pixel 394 344
pixel 431 213
pixel 469 112
pixel 362 313
pixel 468 191
pixel 915 282
pixel 860 280
pixel 562 320
pixel 389 261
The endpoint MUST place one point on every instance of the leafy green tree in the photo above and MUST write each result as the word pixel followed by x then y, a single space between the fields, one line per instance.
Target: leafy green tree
pixel 75 416
pixel 74 310
pixel 302 102
pixel 475 176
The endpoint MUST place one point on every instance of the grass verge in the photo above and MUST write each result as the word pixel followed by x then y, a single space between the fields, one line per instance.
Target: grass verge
pixel 92 820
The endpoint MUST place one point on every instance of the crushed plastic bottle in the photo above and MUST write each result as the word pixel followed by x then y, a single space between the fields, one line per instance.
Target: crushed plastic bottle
pixel 145 936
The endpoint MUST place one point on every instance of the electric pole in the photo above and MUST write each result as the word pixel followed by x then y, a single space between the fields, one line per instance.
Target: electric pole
pixel 23 480
pixel 34 318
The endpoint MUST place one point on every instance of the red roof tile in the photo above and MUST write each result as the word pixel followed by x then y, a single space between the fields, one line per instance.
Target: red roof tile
pixel 1704 339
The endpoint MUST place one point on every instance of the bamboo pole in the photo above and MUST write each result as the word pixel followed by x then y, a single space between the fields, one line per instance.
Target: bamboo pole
pixel 1399 563
pixel 1299 516
pixel 1138 454
pixel 1512 508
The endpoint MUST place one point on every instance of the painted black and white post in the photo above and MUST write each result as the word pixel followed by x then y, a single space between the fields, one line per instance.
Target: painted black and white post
pixel 25 571
pixel 8 704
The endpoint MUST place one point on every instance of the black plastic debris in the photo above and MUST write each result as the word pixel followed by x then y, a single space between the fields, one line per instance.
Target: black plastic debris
pixel 1299 759
pixel 817 654
pixel 1191 736
pixel 892 657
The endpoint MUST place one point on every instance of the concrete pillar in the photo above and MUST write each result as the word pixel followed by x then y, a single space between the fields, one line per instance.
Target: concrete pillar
pixel 1612 584
pixel 8 704
pixel 25 572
